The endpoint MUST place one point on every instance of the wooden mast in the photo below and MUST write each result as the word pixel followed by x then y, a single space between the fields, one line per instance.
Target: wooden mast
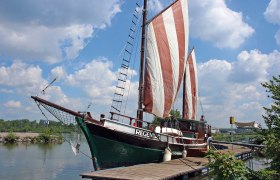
pixel 184 94
pixel 142 59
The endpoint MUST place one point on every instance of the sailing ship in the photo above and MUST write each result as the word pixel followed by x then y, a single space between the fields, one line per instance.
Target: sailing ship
pixel 165 66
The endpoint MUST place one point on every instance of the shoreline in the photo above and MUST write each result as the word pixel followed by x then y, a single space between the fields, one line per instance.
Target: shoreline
pixel 29 137
pixel 20 134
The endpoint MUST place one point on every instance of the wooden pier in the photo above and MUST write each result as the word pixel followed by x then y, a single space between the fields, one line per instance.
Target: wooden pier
pixel 166 170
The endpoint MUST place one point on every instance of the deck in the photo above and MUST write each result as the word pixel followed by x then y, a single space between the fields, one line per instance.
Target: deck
pixel 165 170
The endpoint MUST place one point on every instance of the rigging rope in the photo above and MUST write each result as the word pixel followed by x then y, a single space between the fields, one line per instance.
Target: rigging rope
pixel 38 104
pixel 133 65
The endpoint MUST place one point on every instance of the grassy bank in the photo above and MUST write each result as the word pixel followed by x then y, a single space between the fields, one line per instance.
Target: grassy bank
pixel 236 137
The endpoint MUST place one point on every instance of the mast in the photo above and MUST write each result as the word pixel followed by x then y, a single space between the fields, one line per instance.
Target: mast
pixel 190 88
pixel 184 94
pixel 142 58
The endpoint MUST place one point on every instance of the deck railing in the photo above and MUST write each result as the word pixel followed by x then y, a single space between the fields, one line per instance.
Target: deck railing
pixel 131 120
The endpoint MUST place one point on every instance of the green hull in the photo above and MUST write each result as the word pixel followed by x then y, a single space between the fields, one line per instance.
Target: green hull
pixel 108 153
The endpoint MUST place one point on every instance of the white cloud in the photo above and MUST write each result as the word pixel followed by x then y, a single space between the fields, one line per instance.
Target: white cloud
pixel 13 104
pixel 207 77
pixel 272 13
pixel 155 6
pixel 59 72
pixel 77 36
pixel 96 78
pixel 98 81
pixel 26 80
pixel 234 89
pixel 40 42
pixel 20 74
pixel 51 31
pixel 251 67
pixel 213 21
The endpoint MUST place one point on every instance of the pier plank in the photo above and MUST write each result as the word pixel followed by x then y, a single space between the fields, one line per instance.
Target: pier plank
pixel 164 170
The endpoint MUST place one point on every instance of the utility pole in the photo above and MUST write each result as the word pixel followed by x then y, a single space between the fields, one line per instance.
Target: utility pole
pixel 231 121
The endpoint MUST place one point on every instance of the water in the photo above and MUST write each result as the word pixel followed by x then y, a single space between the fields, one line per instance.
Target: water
pixel 43 161
pixel 257 163
pixel 57 161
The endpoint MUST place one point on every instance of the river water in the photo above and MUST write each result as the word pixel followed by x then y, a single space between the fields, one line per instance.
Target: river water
pixel 55 161
pixel 43 161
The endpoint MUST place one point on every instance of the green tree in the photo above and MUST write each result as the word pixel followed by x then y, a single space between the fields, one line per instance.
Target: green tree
pixel 225 166
pixel 175 113
pixel 271 136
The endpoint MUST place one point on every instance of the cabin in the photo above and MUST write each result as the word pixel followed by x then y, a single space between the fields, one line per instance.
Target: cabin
pixel 188 128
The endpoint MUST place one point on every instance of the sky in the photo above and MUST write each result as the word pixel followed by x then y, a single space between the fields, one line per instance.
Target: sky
pixel 81 42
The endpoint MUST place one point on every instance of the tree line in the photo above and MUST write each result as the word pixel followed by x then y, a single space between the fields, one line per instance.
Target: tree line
pixel 25 125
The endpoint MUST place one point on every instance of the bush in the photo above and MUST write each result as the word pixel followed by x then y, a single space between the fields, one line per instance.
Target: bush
pixel 44 138
pixel 263 174
pixel 11 138
pixel 225 166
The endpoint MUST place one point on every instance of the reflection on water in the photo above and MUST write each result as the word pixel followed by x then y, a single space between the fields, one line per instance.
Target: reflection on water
pixel 43 161
pixel 257 163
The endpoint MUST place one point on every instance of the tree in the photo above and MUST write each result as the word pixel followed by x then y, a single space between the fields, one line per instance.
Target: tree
pixel 175 113
pixel 271 137
pixel 225 166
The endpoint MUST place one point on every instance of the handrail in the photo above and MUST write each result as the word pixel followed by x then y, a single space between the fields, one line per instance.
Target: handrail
pixel 112 113
pixel 240 144
pixel 128 117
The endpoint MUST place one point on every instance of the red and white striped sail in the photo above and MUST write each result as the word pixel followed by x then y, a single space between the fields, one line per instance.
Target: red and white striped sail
pixel 191 88
pixel 167 45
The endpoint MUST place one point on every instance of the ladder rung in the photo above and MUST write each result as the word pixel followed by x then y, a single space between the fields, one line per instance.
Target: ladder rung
pixel 127 51
pixel 135 16
pixel 117 100
pixel 132 30
pixel 131 36
pixel 120 87
pixel 123 74
pixel 133 22
pixel 126 60
pixel 124 66
pixel 119 94
pixel 122 80
pixel 115 109
pixel 129 43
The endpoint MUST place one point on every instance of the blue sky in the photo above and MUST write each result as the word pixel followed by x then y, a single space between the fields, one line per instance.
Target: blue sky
pixel 80 42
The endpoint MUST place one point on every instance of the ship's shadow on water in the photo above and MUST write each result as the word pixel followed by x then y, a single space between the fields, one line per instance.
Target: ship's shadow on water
pixel 43 161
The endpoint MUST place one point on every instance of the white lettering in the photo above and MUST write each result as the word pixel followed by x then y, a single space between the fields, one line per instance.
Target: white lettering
pixel 138 132
pixel 147 134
